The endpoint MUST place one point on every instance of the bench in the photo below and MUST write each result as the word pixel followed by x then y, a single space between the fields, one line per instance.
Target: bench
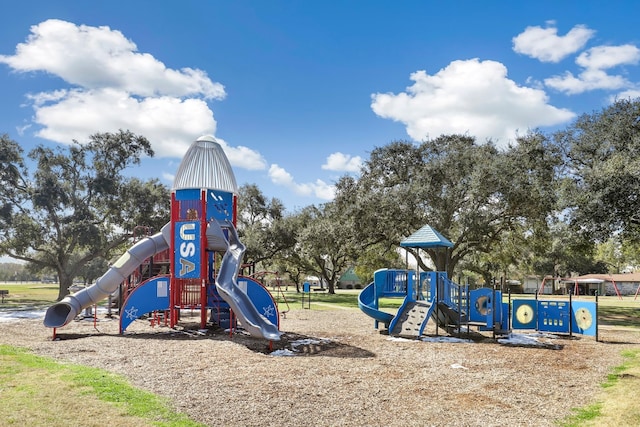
pixel 3 292
pixel 319 289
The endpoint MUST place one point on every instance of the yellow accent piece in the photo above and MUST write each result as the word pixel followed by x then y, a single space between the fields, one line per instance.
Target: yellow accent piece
pixel 524 314
pixel 583 318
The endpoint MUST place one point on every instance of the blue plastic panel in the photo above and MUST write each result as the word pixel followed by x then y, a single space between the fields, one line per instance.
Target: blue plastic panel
pixel 390 283
pixel 261 299
pixel 187 250
pixel 584 318
pixel 150 296
pixel 219 205
pixel 481 305
pixel 188 194
pixel 504 315
pixel 524 314
pixel 553 316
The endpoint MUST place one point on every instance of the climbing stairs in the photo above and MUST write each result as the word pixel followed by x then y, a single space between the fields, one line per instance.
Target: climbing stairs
pixel 410 321
pixel 450 319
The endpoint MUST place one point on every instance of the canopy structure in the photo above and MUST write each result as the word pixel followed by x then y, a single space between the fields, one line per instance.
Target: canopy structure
pixel 426 237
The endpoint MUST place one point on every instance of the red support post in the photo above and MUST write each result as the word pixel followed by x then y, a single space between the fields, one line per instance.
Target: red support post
pixel 172 282
pixel 204 271
pixel 234 215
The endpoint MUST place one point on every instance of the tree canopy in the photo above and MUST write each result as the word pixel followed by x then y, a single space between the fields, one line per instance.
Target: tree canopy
pixel 537 206
pixel 260 225
pixel 77 205
pixel 548 204
pixel 602 185
pixel 471 193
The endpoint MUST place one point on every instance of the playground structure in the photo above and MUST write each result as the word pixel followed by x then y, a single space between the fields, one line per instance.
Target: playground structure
pixel 200 244
pixel 432 296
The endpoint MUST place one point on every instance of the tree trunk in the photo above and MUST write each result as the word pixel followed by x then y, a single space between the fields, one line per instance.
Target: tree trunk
pixel 331 287
pixel 65 282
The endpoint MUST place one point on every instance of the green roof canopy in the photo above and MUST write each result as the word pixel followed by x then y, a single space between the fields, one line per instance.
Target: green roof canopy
pixel 426 237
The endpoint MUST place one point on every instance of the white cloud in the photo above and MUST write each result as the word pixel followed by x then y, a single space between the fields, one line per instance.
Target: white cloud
pixel 113 86
pixel 470 96
pixel 341 162
pixel 587 80
pixel 170 124
pixel 594 61
pixel 319 189
pixel 627 94
pixel 324 191
pixel 604 57
pixel 545 45
pixel 243 157
pixel 280 176
pixel 99 57
pixel 22 129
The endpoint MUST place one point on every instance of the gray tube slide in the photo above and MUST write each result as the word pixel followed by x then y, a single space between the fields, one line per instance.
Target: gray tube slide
pixel 227 285
pixel 68 308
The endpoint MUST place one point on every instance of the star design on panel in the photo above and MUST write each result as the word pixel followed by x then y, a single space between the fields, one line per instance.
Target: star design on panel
pixel 268 311
pixel 132 313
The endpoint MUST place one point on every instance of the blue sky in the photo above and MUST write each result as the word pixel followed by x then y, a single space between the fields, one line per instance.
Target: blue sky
pixel 300 92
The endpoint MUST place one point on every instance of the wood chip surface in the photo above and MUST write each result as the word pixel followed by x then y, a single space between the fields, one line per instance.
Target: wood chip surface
pixel 332 368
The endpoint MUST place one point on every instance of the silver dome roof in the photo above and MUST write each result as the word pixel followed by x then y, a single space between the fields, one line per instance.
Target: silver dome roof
pixel 205 166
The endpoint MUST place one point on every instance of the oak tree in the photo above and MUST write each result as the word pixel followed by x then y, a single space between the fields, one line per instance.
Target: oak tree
pixel 76 205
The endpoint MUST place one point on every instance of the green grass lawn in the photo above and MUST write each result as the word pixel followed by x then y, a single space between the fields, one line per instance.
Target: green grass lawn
pixel 73 393
pixel 616 405
pixel 616 312
pixel 29 295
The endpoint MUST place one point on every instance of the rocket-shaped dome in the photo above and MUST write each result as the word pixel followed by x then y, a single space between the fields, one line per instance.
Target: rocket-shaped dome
pixel 205 166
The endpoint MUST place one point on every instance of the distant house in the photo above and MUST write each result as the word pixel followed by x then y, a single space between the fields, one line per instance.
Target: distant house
pixel 605 284
pixel 530 284
pixel 349 280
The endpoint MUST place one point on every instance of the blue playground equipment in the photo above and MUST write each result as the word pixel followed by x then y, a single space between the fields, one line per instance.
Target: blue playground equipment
pixel 432 296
